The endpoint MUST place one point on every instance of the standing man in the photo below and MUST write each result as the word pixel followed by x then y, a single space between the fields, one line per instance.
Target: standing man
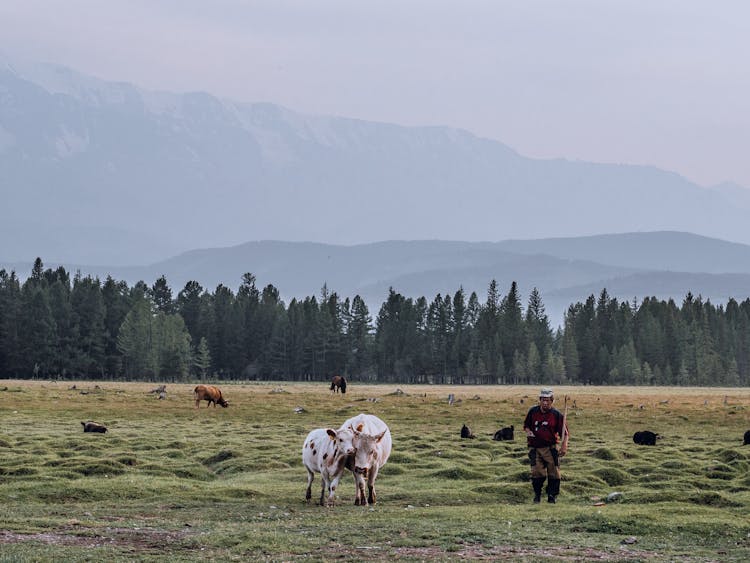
pixel 544 427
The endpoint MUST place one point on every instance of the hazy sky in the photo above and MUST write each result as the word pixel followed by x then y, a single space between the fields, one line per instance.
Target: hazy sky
pixel 662 82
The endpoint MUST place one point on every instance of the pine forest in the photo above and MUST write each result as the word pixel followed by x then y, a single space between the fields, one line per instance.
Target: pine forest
pixel 54 326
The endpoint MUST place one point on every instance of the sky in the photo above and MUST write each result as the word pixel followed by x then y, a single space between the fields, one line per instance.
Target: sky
pixel 663 83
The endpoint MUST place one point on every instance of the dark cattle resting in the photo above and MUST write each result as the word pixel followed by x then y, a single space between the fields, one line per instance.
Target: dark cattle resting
pixel 746 441
pixel 93 427
pixel 504 434
pixel 209 393
pixel 466 432
pixel 338 382
pixel 645 438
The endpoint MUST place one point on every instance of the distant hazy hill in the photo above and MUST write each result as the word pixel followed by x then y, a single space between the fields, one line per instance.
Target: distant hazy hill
pixel 667 251
pixel 662 264
pixel 106 173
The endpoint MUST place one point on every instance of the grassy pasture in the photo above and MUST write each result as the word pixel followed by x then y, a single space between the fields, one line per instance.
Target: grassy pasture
pixel 169 482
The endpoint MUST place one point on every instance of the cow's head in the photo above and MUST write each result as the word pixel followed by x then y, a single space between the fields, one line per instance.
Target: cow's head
pixel 366 450
pixel 222 402
pixel 343 439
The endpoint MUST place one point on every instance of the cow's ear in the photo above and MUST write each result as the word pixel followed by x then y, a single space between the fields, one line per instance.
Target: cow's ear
pixel 360 426
pixel 331 432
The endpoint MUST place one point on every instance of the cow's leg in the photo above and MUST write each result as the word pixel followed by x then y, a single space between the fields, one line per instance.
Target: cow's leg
pixel 356 487
pixel 359 483
pixel 310 478
pixel 323 487
pixel 332 494
pixel 372 474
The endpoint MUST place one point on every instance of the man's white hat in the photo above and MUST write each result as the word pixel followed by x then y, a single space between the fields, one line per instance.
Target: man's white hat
pixel 545 392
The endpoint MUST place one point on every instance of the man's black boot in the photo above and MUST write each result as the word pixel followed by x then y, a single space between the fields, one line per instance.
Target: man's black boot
pixel 553 489
pixel 537 483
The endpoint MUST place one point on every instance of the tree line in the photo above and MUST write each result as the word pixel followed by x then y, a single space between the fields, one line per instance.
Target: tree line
pixel 52 326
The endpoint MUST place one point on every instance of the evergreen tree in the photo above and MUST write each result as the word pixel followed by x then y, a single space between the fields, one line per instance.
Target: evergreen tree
pixel 512 330
pixel 222 335
pixel 171 347
pixel 534 364
pixel 11 359
pixel 359 337
pixel 88 315
pixel 64 337
pixel 252 340
pixel 188 305
pixel 438 333
pixel 518 371
pixel 570 348
pixel 488 332
pixel 461 335
pixel 37 330
pixel 117 304
pixel 135 341
pixel 537 322
pixel 202 359
pixel 161 296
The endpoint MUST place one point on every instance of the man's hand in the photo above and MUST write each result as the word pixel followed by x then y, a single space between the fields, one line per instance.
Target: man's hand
pixel 529 433
pixel 563 451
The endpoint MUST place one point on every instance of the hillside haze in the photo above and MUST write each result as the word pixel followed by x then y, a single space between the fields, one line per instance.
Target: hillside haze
pixel 630 266
pixel 97 172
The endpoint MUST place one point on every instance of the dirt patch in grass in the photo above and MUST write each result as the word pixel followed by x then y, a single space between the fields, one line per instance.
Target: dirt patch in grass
pixel 139 539
pixel 482 552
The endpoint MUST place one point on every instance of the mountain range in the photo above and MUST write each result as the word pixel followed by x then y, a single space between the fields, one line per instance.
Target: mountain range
pixel 111 179
pixel 99 172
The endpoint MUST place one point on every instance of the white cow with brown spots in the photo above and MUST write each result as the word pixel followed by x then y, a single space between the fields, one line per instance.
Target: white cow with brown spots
pixel 325 451
pixel 372 445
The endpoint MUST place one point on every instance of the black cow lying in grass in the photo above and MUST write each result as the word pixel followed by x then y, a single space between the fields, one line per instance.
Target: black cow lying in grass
pixel 504 434
pixel 466 432
pixel 645 438
pixel 746 441
pixel 93 427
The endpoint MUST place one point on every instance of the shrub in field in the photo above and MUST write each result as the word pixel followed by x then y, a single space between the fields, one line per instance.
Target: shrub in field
pixel 603 453
pixel 611 476
pixel 457 473
pixel 710 498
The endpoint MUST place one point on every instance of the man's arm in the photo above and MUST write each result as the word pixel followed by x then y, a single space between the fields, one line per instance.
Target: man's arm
pixel 527 425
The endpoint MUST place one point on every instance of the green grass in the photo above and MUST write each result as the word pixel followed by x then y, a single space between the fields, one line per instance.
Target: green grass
pixel 169 482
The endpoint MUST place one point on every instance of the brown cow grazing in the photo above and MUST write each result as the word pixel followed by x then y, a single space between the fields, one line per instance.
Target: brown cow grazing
pixel 209 393
pixel 338 382
pixel 91 426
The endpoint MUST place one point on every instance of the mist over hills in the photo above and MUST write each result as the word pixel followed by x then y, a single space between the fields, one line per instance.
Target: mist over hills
pixel 97 172
pixel 632 265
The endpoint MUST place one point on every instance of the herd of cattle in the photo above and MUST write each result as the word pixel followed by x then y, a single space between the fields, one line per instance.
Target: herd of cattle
pixel 362 445
pixel 499 436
